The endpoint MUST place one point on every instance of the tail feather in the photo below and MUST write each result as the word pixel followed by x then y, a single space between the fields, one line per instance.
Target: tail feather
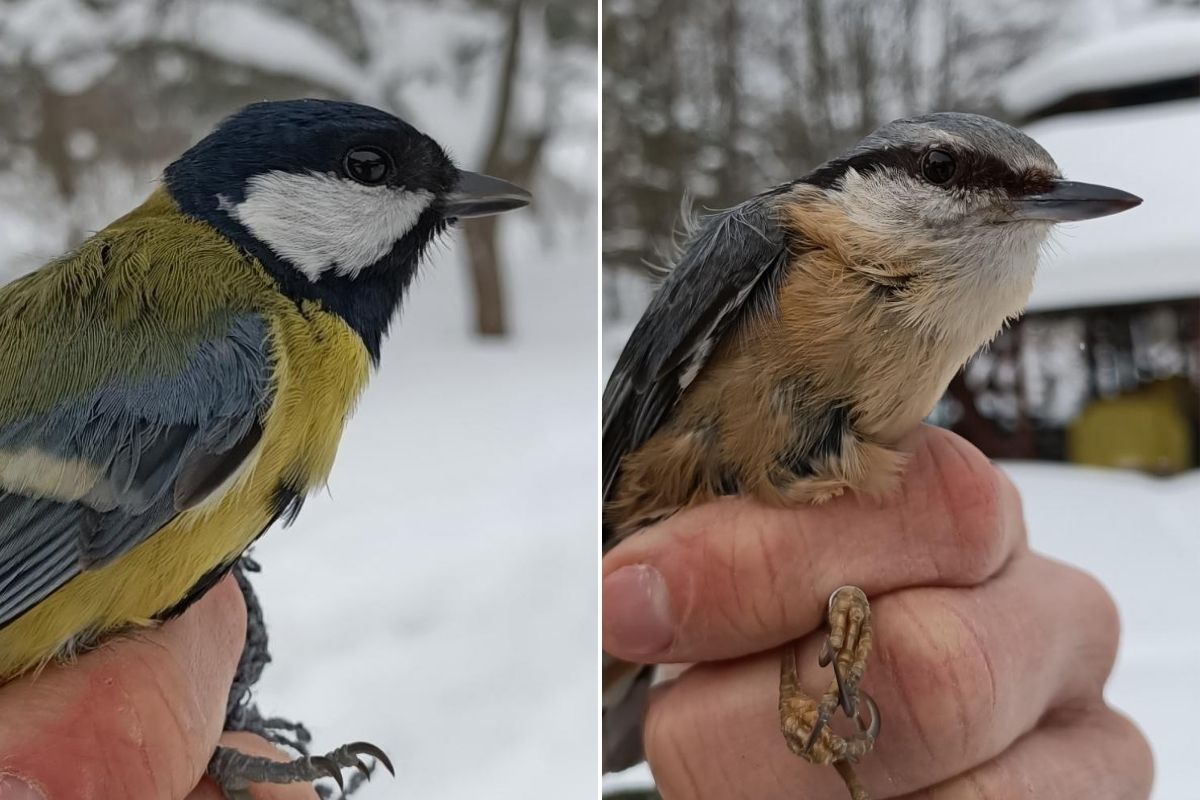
pixel 626 688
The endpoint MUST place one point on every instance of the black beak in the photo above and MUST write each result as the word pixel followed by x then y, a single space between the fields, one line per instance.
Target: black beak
pixel 1068 201
pixel 481 196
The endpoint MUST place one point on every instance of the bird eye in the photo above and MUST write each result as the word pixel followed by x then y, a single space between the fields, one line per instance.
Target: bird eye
pixel 368 165
pixel 938 166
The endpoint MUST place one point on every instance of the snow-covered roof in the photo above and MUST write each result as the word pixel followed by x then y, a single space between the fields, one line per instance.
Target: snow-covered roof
pixel 1151 252
pixel 1164 46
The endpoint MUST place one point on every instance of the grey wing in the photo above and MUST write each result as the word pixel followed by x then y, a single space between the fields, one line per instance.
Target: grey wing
pixel 93 477
pixel 730 266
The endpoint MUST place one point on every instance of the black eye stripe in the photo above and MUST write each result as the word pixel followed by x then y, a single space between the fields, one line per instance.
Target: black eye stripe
pixel 974 170
pixel 368 165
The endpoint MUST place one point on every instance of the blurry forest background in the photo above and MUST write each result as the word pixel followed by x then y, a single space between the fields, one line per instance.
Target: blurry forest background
pixel 96 96
pixel 719 100
pixel 408 604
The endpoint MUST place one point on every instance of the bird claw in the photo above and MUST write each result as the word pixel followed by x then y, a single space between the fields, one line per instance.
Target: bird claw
pixel 818 726
pixel 330 769
pixel 847 692
pixel 234 771
pixel 356 749
pixel 870 729
pixel 849 643
pixel 805 720
pixel 826 655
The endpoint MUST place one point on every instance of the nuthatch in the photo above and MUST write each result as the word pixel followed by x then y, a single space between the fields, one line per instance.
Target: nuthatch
pixel 180 381
pixel 801 334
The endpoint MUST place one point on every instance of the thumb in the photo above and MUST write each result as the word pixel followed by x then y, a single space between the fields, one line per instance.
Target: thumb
pixel 137 717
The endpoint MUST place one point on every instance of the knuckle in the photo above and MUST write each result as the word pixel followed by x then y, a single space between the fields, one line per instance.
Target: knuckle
pixel 1103 621
pixel 1135 748
pixel 943 675
pixel 669 741
pixel 975 499
pixel 741 587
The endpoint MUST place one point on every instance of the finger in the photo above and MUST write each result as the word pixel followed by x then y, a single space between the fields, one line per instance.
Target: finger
pixel 137 717
pixel 959 675
pixel 732 577
pixel 258 746
pixel 1097 754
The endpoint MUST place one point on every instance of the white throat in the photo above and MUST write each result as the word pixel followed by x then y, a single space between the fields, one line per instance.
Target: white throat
pixel 320 223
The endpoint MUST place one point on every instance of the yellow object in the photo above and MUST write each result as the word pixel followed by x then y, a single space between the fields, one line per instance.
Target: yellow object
pixel 1146 429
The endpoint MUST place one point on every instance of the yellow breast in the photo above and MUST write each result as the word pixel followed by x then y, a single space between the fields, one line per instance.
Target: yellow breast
pixel 320 367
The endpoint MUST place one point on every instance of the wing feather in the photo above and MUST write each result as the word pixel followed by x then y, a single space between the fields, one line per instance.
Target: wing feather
pixel 94 476
pixel 730 267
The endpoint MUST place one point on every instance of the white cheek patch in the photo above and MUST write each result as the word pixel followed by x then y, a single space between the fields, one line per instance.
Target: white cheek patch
pixel 323 222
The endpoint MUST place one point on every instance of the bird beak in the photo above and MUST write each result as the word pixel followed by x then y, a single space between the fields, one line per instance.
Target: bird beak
pixel 1069 201
pixel 478 195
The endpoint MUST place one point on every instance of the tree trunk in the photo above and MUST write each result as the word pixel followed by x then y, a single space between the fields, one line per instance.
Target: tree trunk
pixel 482 246
pixel 483 253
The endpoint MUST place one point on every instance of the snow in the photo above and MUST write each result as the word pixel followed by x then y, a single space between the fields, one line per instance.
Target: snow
pixel 1151 252
pixel 1140 536
pixel 257 37
pixel 1162 46
pixel 71 39
pixel 75 42
pixel 440 599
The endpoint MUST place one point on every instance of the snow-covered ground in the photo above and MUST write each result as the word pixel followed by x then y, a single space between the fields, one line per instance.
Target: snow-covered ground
pixel 440 599
pixel 1141 537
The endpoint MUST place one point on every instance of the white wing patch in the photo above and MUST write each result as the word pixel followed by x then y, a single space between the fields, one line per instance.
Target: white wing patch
pixel 697 362
pixel 323 222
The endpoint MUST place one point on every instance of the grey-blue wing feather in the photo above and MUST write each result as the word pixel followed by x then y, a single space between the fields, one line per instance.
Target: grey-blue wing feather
pixel 134 453
pixel 730 265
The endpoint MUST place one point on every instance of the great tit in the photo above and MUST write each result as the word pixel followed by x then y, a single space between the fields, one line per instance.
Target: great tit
pixel 801 335
pixel 180 381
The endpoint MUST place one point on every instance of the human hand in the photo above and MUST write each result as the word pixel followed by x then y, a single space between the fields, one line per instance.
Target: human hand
pixel 139 717
pixel 989 660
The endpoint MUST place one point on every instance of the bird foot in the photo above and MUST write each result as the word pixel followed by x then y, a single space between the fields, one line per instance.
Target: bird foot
pixel 235 771
pixel 804 720
pixel 848 644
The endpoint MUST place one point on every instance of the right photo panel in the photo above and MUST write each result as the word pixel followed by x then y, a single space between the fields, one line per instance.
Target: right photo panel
pixel 901 407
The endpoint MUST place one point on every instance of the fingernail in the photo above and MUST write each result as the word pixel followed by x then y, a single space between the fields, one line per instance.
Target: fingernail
pixel 637 612
pixel 14 788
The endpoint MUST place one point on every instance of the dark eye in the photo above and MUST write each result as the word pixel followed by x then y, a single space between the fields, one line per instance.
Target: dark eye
pixel 938 166
pixel 368 165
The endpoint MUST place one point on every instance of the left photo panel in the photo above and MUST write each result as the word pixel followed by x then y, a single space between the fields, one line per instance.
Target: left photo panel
pixel 298 399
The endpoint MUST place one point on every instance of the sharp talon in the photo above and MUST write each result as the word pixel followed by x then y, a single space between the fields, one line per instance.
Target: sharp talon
pixel 366 748
pixel 826 654
pixel 871 729
pixel 363 768
pixel 816 731
pixel 329 768
pixel 845 700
